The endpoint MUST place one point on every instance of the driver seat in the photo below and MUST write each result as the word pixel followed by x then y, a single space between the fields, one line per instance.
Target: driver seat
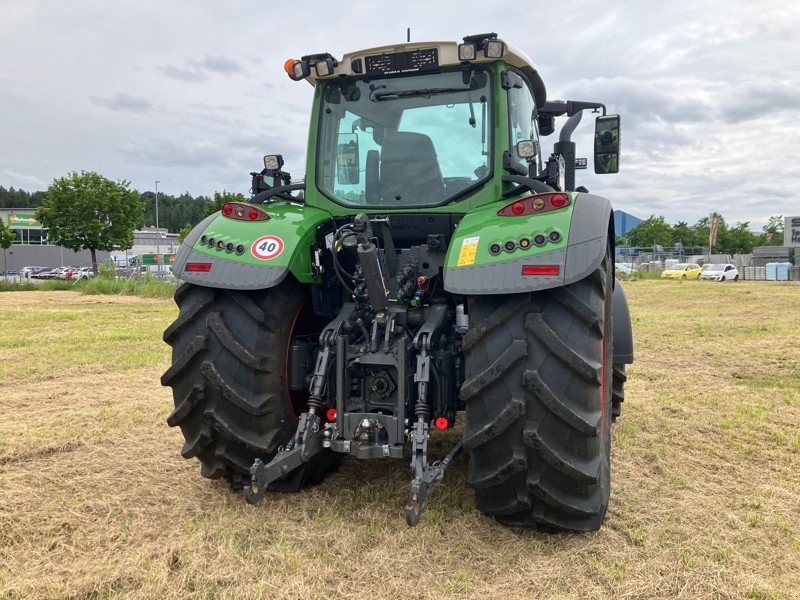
pixel 410 172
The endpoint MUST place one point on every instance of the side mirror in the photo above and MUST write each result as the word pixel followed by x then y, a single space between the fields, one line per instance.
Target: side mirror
pixel 606 144
pixel 347 166
pixel 547 123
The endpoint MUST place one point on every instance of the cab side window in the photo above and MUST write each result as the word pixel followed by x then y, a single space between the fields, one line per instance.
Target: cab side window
pixel 523 124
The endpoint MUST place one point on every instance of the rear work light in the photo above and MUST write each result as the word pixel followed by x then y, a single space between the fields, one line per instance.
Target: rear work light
pixel 297 69
pixel 243 212
pixel 541 270
pixel 198 267
pixel 534 205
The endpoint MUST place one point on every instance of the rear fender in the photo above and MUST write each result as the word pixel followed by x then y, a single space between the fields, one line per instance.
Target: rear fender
pixel 272 248
pixel 623 333
pixel 584 225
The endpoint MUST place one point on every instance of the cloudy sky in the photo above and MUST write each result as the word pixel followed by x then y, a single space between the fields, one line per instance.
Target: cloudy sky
pixel 193 93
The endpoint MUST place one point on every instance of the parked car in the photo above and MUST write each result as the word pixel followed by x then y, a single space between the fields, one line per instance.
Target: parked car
pixel 46 273
pixel 682 271
pixel 720 272
pixel 32 271
pixel 67 272
pixel 626 268
pixel 83 273
pixel 10 272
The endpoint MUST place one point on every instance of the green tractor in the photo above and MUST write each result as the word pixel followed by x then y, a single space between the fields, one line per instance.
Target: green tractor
pixel 433 261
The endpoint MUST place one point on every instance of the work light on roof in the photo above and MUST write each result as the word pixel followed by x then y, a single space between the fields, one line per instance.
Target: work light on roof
pixel 273 162
pixel 467 51
pixel 297 69
pixel 324 67
pixel 494 49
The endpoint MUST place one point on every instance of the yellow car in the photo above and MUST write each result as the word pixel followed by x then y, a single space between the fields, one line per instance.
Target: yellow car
pixel 682 271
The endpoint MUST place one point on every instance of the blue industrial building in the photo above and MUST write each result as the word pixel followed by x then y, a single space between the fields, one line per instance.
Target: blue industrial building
pixel 623 222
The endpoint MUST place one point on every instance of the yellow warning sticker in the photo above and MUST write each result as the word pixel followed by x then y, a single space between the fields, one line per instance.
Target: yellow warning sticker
pixel 469 249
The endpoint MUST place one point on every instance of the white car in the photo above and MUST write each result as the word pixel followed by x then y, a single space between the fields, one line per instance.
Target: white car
pixel 626 268
pixel 83 273
pixel 720 272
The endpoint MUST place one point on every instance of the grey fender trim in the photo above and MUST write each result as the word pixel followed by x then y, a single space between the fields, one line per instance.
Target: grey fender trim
pixel 505 277
pixel 623 332
pixel 588 236
pixel 586 249
pixel 224 273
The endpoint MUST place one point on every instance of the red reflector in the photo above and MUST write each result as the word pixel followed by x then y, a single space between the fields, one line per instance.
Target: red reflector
pixel 253 214
pixel 442 423
pixel 559 200
pixel 198 267
pixel 331 415
pixel 545 270
pixel 227 209
pixel 518 208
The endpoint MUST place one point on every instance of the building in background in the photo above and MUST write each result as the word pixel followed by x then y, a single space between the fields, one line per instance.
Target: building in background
pixel 150 245
pixel 791 231
pixel 31 248
pixel 624 222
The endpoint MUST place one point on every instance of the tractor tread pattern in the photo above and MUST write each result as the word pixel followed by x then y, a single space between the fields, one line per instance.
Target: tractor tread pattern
pixel 619 377
pixel 574 417
pixel 227 339
pixel 588 370
pixel 194 348
pixel 185 318
pixel 184 407
pixel 536 430
pixel 228 390
pixel 511 356
pixel 510 413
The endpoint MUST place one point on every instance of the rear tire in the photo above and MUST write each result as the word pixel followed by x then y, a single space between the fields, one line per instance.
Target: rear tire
pixel 228 381
pixel 619 377
pixel 538 403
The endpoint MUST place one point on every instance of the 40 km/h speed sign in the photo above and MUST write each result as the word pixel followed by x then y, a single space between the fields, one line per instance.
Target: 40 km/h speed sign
pixel 267 247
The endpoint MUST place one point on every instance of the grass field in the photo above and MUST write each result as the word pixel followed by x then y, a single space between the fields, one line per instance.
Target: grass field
pixel 96 502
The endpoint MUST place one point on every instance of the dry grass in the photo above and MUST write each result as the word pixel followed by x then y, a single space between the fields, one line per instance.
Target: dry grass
pixel 96 502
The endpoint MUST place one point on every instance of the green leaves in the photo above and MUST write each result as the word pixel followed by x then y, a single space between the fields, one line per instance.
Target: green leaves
pixel 730 239
pixel 87 211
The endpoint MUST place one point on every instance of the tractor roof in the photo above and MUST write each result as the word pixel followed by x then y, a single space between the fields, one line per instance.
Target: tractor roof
pixel 447 56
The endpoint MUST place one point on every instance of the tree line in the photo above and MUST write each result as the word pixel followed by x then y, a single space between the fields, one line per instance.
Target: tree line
pixel 731 239
pixel 174 212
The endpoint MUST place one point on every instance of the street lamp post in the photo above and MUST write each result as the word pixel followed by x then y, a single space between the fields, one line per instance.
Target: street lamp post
pixel 158 235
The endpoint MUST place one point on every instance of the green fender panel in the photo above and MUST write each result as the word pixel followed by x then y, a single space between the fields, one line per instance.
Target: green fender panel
pixel 471 269
pixel 272 248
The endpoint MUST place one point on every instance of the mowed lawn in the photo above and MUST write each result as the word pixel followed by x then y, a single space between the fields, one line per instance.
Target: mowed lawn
pixel 96 502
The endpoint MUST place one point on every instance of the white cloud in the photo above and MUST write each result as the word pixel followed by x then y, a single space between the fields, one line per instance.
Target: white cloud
pixel 708 90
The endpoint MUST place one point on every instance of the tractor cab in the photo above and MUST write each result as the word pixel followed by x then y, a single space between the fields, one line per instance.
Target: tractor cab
pixel 424 125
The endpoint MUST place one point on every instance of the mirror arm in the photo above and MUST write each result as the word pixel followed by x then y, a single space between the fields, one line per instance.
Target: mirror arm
pixel 275 191
pixel 525 183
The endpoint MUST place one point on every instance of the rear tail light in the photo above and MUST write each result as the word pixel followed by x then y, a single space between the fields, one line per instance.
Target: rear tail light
pixel 198 267
pixel 243 212
pixel 534 205
pixel 541 270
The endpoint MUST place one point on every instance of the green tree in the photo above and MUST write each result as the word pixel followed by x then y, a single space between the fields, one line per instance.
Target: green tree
pixel 7 238
pixel 221 198
pixel 772 233
pixel 184 231
pixel 738 239
pixel 654 230
pixel 681 232
pixel 86 211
